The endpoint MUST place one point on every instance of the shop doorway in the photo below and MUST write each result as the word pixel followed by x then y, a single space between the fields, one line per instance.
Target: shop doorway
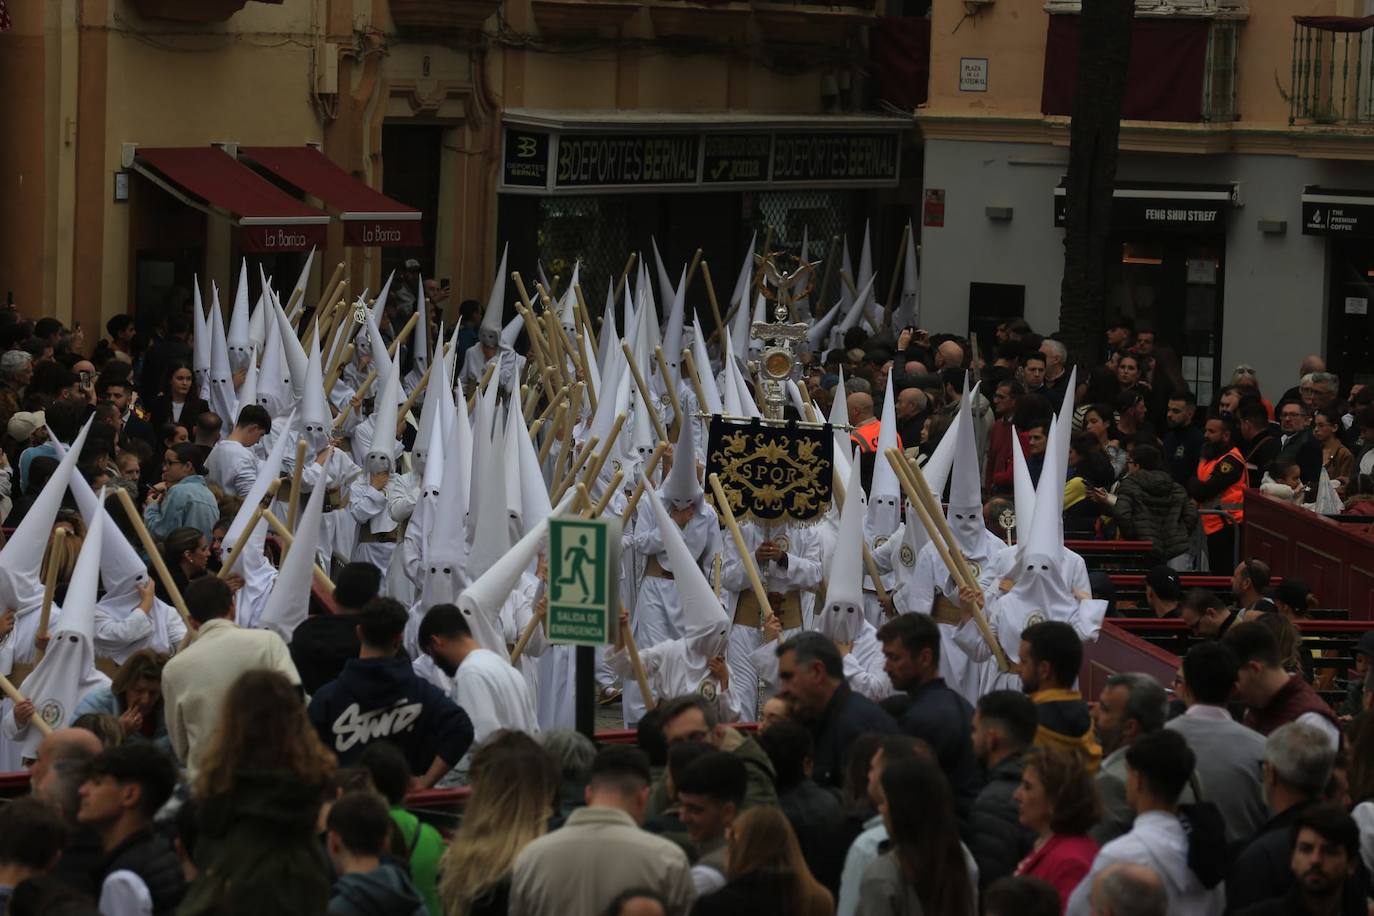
pixel 410 174
pixel 1349 325
pixel 1173 285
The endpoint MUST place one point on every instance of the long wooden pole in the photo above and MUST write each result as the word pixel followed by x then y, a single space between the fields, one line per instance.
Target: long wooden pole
pixel 668 382
pixel 606 495
pixel 641 677
pixel 691 365
pixel 8 688
pixel 897 268
pixel 594 471
pixel 59 537
pixel 391 350
pixel 747 558
pixel 226 568
pixel 584 319
pixel 912 488
pixel 154 555
pixel 290 539
pixel 581 459
pixel 711 296
pixel 293 511
pixel 625 275
pixel 648 472
pixel 644 391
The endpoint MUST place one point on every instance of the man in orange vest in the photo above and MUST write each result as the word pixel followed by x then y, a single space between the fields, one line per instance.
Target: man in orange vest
pixel 866 425
pixel 1220 481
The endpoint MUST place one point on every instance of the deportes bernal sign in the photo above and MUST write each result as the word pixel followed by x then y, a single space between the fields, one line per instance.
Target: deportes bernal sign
pixel 580 161
pixel 1327 211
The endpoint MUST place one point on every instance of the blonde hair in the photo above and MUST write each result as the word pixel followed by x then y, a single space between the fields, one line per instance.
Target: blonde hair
pixel 514 786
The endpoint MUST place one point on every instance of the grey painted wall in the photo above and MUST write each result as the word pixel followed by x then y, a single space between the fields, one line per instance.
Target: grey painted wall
pixel 1275 286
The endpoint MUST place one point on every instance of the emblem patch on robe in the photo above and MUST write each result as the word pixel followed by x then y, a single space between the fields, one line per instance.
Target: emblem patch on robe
pixel 907 555
pixel 708 690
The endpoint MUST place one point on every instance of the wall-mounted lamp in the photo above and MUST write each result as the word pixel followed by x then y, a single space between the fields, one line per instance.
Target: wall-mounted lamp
pixel 1001 214
pixel 1273 226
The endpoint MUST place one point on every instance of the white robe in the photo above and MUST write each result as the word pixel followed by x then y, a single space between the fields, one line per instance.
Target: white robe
pixel 475 366
pixel 918 597
pixel 494 695
pixel 863 666
pixel 673 670
pixel 121 629
pixel 802 573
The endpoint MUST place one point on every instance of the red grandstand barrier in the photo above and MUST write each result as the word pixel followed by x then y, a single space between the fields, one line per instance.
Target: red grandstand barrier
pixel 1336 560
pixel 1117 651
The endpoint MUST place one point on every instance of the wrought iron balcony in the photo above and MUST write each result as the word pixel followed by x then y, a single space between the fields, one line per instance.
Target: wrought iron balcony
pixel 1332 78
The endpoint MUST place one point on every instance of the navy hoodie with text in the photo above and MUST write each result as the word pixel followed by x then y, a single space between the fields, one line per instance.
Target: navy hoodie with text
pixel 381 699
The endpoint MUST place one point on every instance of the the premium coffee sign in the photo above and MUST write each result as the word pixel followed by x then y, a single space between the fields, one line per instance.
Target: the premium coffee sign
pixel 1330 212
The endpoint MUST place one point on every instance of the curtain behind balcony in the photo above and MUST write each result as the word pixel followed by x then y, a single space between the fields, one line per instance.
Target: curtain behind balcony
pixel 1164 82
pixel 901 45
pixel 1336 23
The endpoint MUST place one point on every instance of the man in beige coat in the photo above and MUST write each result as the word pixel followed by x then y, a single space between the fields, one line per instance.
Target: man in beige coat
pixel 600 851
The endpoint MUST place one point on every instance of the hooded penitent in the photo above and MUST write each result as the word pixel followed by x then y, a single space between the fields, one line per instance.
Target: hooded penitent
pixel 705 626
pixel 816 335
pixel 884 510
pixel 238 338
pixel 531 496
pixel 672 327
pixel 223 400
pixel 489 333
pixel 289 604
pixel 248 391
pixel 438 399
pixel 489 508
pixel 936 470
pixel 292 349
pixel 21 586
pixel 702 362
pixel 446 551
pixel 841 615
pixel 275 392
pixel 965 513
pixel 909 311
pixel 481 601
pixel 258 574
pixel 682 489
pixel 200 342
pixel 384 450
pixel 316 418
pixel 67 671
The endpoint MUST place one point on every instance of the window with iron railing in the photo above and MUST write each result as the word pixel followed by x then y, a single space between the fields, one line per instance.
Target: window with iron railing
pixel 1206 9
pixel 1332 76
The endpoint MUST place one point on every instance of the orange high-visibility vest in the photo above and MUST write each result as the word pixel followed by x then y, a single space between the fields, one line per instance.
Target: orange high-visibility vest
pixel 1233 494
pixel 866 436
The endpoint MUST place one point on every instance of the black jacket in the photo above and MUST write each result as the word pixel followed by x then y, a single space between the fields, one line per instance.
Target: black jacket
pixel 1260 452
pixel 148 855
pixel 1181 450
pixel 754 894
pixel 1291 903
pixel 160 411
pixel 847 716
pixel 382 699
pixel 320 647
pixel 1306 451
pixel 817 819
pixel 999 841
pixel 944 720
pixel 1152 507
pixel 1260 869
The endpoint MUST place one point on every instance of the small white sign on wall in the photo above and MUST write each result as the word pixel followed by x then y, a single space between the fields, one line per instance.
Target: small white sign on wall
pixel 973 74
pixel 1356 305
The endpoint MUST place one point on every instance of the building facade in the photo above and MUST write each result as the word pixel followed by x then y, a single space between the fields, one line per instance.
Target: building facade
pixel 150 143
pixel 1238 215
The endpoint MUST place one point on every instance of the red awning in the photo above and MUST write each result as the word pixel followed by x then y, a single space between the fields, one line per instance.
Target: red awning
pixel 268 219
pixel 370 218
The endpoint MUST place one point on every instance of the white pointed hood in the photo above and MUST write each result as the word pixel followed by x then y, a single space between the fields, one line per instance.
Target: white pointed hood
pixel 865 276
pixel 746 273
pixel 614 398
pixel 567 305
pixel 847 266
pixel 223 399
pixel 257 322
pixel 380 304
pixel 1023 487
pixel 21 558
pixel 490 329
pixel 608 337
pixel 856 309
pixel 248 391
pixel 705 625
pixel 909 311
pixel 200 339
pixel 238 339
pixel 437 409
pixel 839 416
pixel 965 512
pixel 682 487
pixel 481 601
pixel 274 378
pixel 841 615
pixel 489 524
pixel 816 335
pixel 292 349
pixel 534 506
pixel 384 451
pixel 665 282
pixel 376 346
pixel 672 327
pixel 303 279
pixel 936 471
pixel 745 391
pixel 884 507
pixel 702 361
pixel 511 331
pixel 446 550
pixel 289 604
pixel 730 395
pixel 315 415
pixel 67 671
pixel 250 559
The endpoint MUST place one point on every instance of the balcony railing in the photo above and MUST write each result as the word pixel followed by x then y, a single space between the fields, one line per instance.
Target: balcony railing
pixel 1333 70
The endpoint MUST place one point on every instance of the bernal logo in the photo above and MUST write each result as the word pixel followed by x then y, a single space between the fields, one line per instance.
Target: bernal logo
pixel 283 239
pixel 378 233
